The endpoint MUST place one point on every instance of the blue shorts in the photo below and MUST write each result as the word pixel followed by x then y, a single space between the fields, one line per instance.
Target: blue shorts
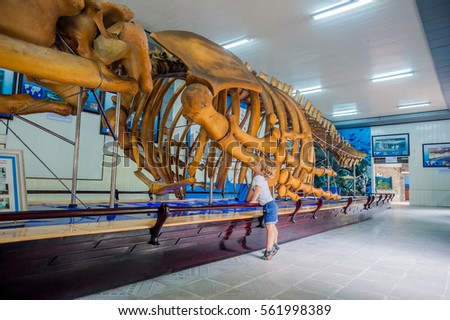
pixel 270 212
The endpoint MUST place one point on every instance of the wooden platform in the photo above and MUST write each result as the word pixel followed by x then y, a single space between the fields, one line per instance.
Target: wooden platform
pixel 81 259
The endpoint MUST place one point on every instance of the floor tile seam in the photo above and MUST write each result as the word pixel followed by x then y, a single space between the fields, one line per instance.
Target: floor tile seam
pixel 189 292
pixel 190 283
pixel 396 282
pixel 299 281
pixel 382 257
pixel 218 282
pixel 257 255
pixel 225 291
pixel 131 295
pixel 170 290
pixel 150 296
pixel 172 285
pixel 353 276
pixel 328 295
pixel 242 284
pixel 357 276
pixel 430 276
pixel 404 276
pixel 307 278
pixel 337 263
pixel 420 291
pixel 390 291
pixel 363 291
pixel 290 265
pixel 260 277
pixel 291 287
pixel 341 284
pixel 440 296
pixel 322 252
pixel 118 289
pixel 102 296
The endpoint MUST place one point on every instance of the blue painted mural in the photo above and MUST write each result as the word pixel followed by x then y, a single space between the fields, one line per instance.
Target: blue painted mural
pixel 344 183
pixel 360 139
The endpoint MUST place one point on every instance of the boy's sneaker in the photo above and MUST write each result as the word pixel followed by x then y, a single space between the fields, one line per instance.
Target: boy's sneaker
pixel 275 248
pixel 268 254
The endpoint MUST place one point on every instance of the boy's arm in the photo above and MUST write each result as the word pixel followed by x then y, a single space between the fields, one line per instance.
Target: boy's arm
pixel 254 194
pixel 249 195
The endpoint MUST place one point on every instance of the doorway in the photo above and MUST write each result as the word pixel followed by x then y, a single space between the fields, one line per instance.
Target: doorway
pixel 392 177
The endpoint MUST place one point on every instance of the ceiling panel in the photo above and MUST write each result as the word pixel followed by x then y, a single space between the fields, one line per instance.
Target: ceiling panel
pixel 435 15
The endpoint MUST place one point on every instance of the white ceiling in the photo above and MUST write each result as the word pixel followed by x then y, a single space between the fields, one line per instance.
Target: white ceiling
pixel 340 53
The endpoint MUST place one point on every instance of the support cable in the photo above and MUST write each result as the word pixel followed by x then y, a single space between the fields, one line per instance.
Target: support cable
pixel 42 162
pixel 341 149
pixel 40 103
pixel 44 129
pixel 102 110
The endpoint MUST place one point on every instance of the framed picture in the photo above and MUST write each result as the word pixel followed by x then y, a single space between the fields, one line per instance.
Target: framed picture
pixel 8 80
pixel 91 104
pixel 383 183
pixel 107 104
pixel 13 193
pixel 37 91
pixel 436 155
pixel 390 145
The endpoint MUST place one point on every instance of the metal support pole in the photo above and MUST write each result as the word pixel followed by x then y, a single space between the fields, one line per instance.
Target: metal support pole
pixel 112 198
pixel 211 187
pixel 354 180
pixel 328 167
pixel 76 149
pixel 34 124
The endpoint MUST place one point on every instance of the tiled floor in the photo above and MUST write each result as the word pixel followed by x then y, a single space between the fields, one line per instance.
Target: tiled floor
pixel 403 253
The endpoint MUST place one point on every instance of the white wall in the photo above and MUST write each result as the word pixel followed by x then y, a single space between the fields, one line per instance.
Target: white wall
pixel 58 156
pixel 428 186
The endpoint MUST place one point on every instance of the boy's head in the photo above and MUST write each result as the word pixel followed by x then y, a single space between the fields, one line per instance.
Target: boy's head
pixel 266 168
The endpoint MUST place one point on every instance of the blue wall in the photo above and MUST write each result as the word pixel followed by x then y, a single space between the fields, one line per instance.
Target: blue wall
pixel 360 139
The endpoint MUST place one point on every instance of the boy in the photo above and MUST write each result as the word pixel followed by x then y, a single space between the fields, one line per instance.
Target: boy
pixel 259 192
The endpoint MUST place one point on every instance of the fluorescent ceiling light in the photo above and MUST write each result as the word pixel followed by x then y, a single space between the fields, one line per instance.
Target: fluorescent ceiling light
pixel 348 113
pixel 339 8
pixel 235 43
pixel 392 76
pixel 345 110
pixel 414 105
pixel 311 90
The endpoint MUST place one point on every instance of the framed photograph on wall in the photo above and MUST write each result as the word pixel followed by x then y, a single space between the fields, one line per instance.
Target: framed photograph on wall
pixel 107 104
pixel 436 155
pixel 13 193
pixel 8 80
pixel 393 145
pixel 383 183
pixel 91 104
pixel 37 91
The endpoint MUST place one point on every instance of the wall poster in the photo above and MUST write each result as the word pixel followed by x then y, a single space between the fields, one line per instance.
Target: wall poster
pixel 383 183
pixel 436 154
pixel 108 103
pixel 7 82
pixel 13 193
pixel 390 145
